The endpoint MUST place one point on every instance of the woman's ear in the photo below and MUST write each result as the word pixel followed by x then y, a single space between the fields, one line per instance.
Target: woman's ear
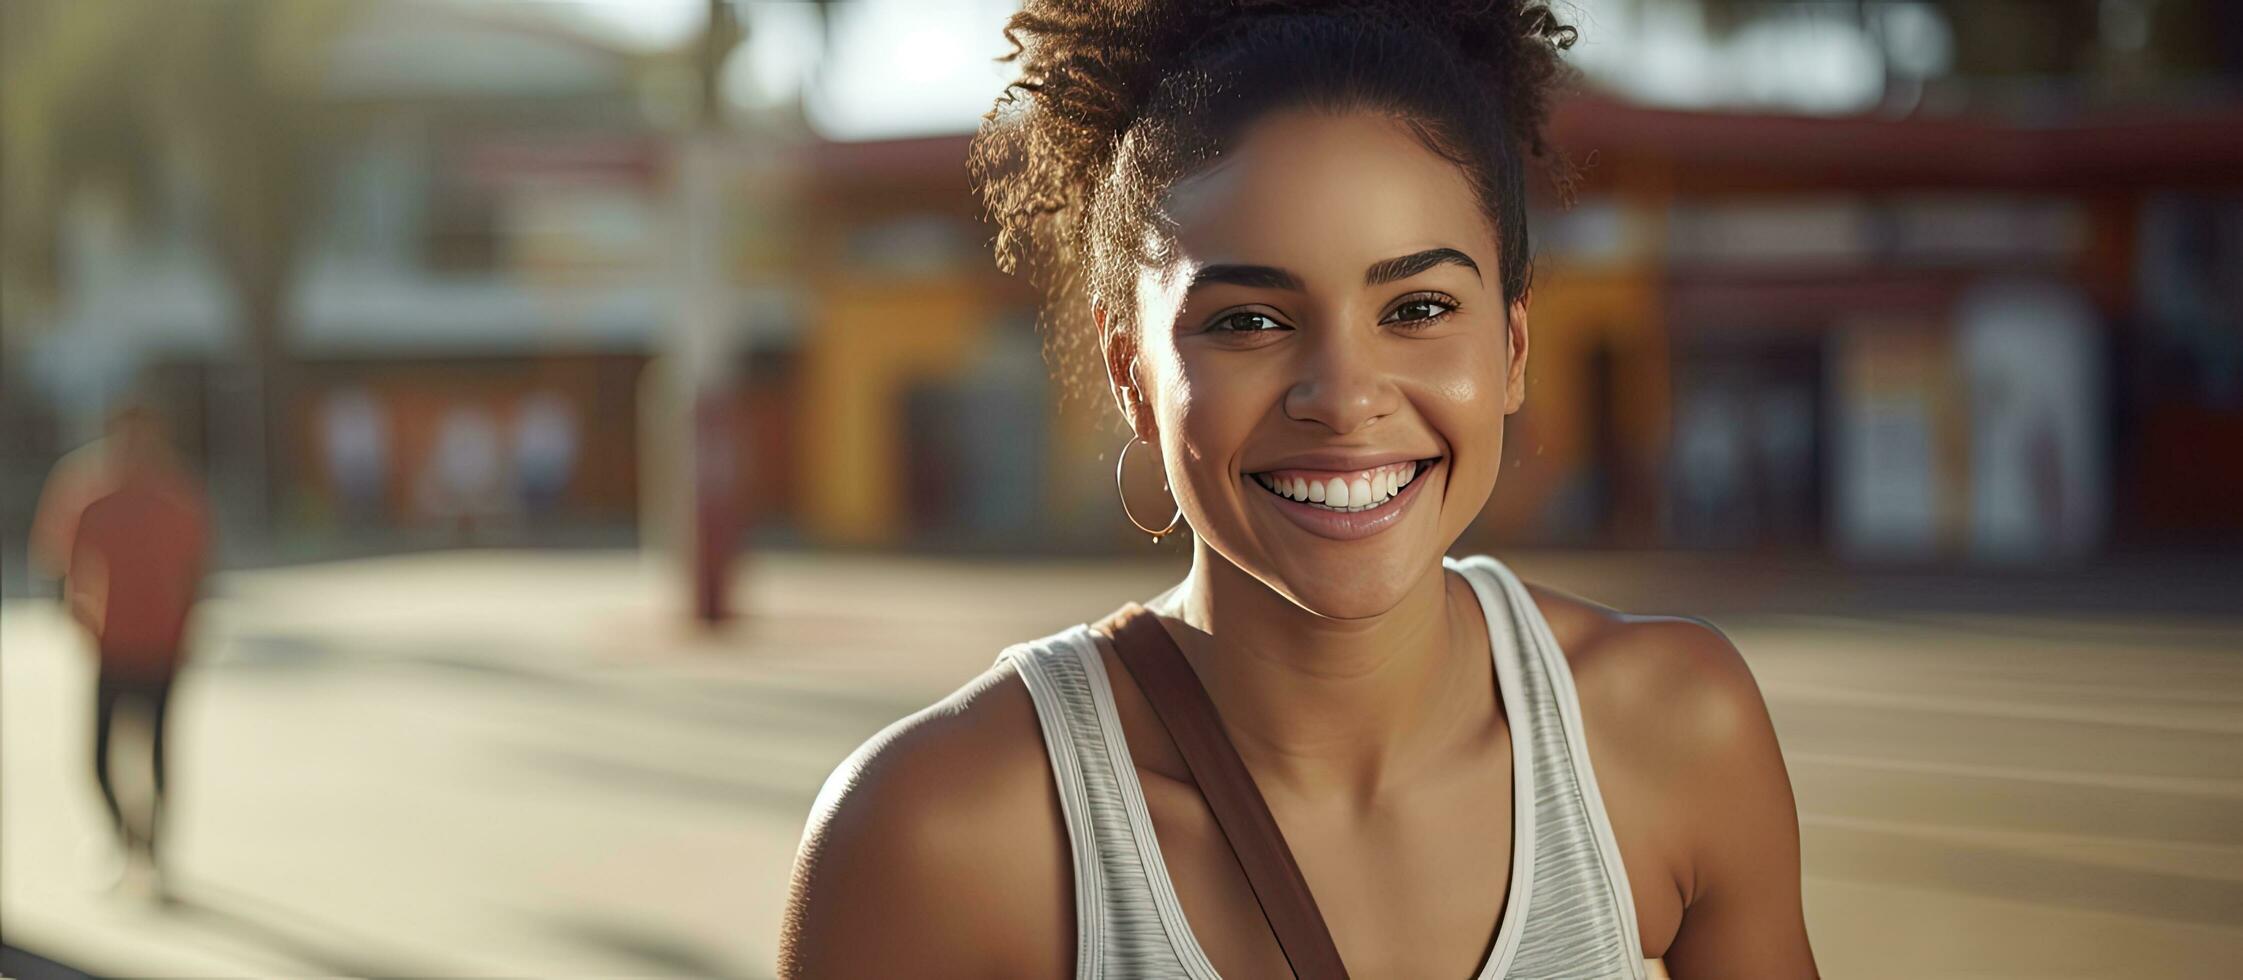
pixel 1120 356
pixel 1514 383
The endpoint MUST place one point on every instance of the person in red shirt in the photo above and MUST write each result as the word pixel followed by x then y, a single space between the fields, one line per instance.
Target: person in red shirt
pixel 126 528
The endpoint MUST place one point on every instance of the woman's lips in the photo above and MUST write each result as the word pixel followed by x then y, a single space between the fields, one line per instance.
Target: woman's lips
pixel 1323 521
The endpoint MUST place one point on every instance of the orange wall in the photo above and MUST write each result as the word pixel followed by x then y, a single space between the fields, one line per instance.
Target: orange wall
pixel 870 341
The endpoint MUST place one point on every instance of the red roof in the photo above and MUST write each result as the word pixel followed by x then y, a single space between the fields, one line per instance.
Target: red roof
pixel 1714 151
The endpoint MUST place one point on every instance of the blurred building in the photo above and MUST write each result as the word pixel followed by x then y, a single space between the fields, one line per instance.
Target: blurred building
pixel 1911 338
pixel 471 316
pixel 1914 332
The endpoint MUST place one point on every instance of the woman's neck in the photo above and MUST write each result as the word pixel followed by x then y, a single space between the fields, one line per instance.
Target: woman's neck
pixel 1321 705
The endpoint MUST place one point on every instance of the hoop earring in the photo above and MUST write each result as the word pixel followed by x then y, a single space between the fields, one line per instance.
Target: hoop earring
pixel 1118 463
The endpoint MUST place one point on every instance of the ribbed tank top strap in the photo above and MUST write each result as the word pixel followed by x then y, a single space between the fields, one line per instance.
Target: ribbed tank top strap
pixel 1580 920
pixel 1119 926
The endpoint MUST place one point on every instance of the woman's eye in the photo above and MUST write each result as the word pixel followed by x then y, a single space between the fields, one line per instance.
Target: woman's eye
pixel 1419 311
pixel 1246 322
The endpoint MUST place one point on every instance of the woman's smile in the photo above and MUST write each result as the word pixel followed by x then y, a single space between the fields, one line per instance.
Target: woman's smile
pixel 1345 504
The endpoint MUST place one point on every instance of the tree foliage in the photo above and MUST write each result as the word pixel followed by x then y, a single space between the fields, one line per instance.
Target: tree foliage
pixel 131 101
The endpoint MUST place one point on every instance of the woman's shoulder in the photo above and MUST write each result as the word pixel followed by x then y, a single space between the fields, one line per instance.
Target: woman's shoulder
pixel 976 754
pixel 1655 663
pixel 941 835
pixel 1692 775
pixel 953 752
pixel 1679 731
pixel 1665 670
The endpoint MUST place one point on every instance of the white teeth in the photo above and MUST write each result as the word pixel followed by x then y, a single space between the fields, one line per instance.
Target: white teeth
pixel 1359 494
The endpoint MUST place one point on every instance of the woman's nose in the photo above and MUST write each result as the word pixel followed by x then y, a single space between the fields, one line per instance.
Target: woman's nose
pixel 1341 385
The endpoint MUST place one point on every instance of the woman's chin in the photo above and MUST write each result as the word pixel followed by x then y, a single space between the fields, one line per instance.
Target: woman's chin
pixel 1354 596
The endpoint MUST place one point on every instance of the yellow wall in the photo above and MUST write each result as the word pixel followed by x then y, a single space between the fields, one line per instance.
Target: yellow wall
pixel 869 342
pixel 1547 443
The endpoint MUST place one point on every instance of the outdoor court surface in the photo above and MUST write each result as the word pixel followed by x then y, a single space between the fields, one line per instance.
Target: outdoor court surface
pixel 521 764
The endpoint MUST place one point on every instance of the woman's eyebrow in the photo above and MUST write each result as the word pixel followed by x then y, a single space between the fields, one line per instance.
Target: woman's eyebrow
pixel 1379 274
pixel 1403 267
pixel 1253 276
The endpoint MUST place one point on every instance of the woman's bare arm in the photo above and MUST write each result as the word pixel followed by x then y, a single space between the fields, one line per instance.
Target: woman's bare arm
pixel 1743 916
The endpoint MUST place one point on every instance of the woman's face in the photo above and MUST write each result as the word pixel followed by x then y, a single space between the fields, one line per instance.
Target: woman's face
pixel 1331 328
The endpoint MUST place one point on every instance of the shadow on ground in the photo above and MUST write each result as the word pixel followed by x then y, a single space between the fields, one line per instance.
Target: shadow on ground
pixel 18 964
pixel 662 953
pixel 322 948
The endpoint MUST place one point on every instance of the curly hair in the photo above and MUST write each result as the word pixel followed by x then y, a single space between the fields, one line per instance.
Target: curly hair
pixel 1118 99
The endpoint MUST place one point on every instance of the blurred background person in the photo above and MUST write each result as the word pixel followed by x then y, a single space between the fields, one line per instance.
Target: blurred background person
pixel 463 482
pixel 123 525
pixel 356 438
pixel 545 446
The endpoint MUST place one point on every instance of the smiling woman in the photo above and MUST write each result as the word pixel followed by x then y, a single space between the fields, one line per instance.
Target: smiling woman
pixel 1290 240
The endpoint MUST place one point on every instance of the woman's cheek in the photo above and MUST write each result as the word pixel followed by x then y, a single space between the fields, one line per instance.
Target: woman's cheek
pixel 1462 373
pixel 1212 411
pixel 1462 397
pixel 1179 400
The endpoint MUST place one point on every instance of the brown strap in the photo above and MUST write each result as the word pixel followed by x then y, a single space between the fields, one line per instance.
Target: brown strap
pixel 1173 689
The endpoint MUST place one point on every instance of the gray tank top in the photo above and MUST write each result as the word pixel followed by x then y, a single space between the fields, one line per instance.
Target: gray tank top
pixel 1569 912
